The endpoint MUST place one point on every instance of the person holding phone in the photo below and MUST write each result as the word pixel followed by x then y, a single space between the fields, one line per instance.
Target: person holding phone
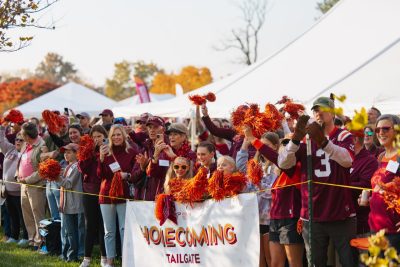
pixel 117 158
pixel 152 163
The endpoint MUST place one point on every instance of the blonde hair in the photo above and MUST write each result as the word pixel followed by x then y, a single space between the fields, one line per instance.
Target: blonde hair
pixel 171 174
pixel 228 159
pixel 124 135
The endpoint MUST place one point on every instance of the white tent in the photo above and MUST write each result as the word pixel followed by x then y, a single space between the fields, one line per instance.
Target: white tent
pixel 135 100
pixel 354 49
pixel 71 95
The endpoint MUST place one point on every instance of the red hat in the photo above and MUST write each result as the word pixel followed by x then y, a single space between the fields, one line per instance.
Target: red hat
pixel 107 112
pixel 155 120
pixel 70 146
pixel 144 117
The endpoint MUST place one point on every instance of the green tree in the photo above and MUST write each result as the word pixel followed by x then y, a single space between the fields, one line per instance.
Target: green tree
pixel 54 69
pixel 120 86
pixel 325 5
pixel 20 14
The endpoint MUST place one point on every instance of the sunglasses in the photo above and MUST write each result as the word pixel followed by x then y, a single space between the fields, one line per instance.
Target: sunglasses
pixel 368 133
pixel 177 167
pixel 19 140
pixel 385 129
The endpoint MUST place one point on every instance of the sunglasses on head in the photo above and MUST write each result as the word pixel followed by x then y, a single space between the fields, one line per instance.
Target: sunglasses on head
pixel 385 129
pixel 19 140
pixel 177 167
pixel 368 133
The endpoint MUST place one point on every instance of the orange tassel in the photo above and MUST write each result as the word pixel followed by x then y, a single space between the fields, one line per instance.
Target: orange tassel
pixel 53 121
pixel 86 148
pixel 49 169
pixel 299 226
pixel 116 189
pixel 14 116
pixel 165 208
pixel 254 172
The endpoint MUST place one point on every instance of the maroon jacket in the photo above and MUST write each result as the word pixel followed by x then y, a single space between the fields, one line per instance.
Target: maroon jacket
pixel 91 181
pixel 228 134
pixel 375 150
pixel 150 182
pixel 126 161
pixel 364 166
pixel 138 138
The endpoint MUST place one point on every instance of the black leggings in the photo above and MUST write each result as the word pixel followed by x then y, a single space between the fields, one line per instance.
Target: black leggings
pixel 94 227
pixel 13 204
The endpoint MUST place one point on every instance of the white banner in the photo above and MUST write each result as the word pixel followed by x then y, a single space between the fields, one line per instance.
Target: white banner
pixel 223 234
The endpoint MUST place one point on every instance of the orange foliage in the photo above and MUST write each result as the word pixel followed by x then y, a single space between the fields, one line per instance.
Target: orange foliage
pixel 189 78
pixel 18 92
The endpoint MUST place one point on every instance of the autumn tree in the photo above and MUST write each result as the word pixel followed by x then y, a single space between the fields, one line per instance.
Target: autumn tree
pixel 18 14
pixel 17 92
pixel 56 70
pixel 190 78
pixel 325 5
pixel 245 38
pixel 122 84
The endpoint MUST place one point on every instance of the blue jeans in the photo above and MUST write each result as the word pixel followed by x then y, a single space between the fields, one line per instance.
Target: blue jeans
pixel 6 221
pixel 70 222
pixel 109 213
pixel 53 198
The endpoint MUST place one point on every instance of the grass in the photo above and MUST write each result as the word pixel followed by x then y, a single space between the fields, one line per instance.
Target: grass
pixel 12 255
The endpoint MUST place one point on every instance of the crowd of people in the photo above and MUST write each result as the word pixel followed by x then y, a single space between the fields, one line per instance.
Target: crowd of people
pixel 150 151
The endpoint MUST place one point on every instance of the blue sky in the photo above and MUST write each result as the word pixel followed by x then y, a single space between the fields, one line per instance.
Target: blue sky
pixel 95 34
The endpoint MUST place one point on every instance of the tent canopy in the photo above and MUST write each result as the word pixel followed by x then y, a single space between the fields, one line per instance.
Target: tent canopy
pixel 71 95
pixel 135 100
pixel 354 50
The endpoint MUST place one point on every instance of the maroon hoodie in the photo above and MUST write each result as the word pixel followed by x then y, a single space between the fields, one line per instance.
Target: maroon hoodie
pixel 91 181
pixel 364 166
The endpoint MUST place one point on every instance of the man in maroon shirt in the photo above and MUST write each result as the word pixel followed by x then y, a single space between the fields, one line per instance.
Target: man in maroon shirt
pixel 332 157
pixel 364 166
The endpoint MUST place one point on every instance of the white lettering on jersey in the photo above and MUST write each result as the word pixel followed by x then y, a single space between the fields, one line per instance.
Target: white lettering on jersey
pixel 324 162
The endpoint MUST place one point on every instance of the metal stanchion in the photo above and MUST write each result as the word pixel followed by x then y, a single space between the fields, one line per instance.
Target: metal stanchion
pixel 310 203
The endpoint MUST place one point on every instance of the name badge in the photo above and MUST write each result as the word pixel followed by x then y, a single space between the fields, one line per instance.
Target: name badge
pixel 163 163
pixel 392 166
pixel 115 167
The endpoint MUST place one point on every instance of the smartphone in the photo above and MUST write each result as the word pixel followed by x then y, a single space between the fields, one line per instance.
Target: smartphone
pixel 105 141
pixel 66 111
pixel 159 136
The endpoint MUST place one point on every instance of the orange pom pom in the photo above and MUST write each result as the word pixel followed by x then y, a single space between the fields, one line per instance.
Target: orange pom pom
pixel 291 108
pixel 197 100
pixel 165 208
pixel 53 121
pixel 50 169
pixel 86 148
pixel 216 187
pixel 14 116
pixel 116 189
pixel 234 183
pixel 259 122
pixel 254 172
pixel 210 97
pixel 191 190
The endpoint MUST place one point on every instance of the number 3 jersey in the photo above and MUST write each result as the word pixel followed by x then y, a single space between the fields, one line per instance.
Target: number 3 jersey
pixel 329 165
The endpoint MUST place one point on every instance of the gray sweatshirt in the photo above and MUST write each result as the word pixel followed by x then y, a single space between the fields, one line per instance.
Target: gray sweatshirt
pixel 71 180
pixel 11 157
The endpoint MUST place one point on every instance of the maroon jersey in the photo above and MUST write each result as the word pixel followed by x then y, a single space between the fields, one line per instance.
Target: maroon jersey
pixel 364 166
pixel 329 165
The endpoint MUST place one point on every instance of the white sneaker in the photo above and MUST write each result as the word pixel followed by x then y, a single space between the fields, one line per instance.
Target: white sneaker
pixel 23 242
pixel 103 262
pixel 85 263
pixel 11 240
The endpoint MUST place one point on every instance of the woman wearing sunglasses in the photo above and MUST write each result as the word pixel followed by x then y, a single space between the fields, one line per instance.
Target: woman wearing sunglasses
pixel 380 216
pixel 369 142
pixel 180 168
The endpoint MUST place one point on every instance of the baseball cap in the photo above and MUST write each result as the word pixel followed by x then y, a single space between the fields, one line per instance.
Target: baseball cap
pixel 177 128
pixel 70 146
pixel 144 117
pixel 120 120
pixel 155 120
pixel 324 102
pixel 83 114
pixel 107 112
